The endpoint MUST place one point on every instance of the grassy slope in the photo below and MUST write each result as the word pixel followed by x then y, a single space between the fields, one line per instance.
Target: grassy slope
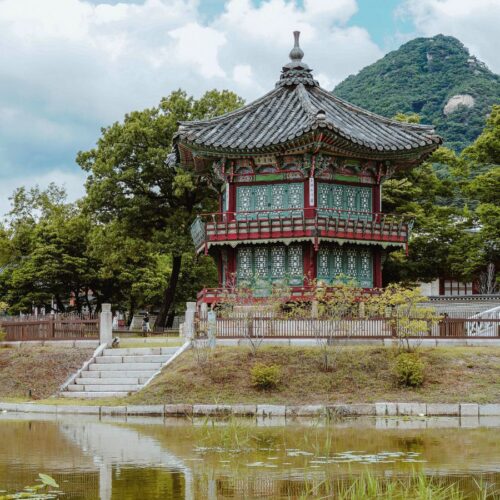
pixel 41 369
pixel 362 374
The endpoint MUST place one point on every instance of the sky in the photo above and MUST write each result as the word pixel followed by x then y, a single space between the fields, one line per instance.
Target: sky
pixel 70 67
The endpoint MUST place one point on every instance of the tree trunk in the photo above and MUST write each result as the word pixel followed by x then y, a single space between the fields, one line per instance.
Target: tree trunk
pixel 170 319
pixel 131 311
pixel 169 294
pixel 60 305
pixel 87 301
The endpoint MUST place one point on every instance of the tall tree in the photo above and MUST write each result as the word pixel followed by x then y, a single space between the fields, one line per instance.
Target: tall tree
pixel 454 200
pixel 131 182
pixel 45 259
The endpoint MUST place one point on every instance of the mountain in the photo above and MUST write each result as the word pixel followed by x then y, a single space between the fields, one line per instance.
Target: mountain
pixel 434 77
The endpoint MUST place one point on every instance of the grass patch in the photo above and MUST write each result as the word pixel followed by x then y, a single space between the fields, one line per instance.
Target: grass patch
pixel 361 374
pixel 39 369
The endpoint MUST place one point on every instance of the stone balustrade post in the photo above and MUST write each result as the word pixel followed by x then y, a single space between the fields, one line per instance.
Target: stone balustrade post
pixel 314 309
pixel 106 325
pixel 188 329
pixel 204 311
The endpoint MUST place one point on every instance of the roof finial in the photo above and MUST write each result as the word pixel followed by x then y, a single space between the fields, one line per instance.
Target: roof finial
pixel 296 71
pixel 296 54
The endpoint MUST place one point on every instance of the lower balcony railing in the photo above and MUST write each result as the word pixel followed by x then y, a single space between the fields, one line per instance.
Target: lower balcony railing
pixel 303 223
pixel 251 296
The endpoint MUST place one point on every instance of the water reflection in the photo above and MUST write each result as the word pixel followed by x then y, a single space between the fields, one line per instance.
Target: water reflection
pixel 141 458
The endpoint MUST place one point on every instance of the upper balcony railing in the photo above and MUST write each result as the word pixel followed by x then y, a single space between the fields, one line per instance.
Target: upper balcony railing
pixel 314 223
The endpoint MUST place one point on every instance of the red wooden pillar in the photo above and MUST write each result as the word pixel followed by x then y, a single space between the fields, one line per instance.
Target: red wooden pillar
pixel 309 263
pixel 309 213
pixel 231 194
pixel 231 266
pixel 377 198
pixel 377 268
pixel 220 264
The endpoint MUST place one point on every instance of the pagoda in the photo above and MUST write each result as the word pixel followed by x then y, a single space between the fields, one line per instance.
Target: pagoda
pixel 299 175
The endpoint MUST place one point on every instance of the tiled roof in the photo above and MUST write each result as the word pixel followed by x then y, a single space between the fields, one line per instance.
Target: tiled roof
pixel 297 106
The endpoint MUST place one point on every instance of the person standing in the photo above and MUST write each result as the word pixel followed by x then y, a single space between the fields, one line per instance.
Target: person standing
pixel 145 324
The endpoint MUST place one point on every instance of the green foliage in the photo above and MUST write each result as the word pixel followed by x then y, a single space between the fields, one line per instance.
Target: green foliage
pixel 407 118
pixel 266 376
pixel 147 202
pixel 46 254
pixel 127 242
pixel 420 78
pixel 409 370
pixel 38 491
pixel 454 202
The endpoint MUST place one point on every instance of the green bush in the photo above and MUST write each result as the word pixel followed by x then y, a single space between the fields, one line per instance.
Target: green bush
pixel 409 370
pixel 3 335
pixel 265 376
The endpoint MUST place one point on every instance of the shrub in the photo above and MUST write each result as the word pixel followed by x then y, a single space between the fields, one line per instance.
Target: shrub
pixel 266 376
pixel 409 370
pixel 3 335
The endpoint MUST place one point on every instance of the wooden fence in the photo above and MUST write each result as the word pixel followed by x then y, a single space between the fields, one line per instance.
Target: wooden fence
pixel 273 327
pixel 51 327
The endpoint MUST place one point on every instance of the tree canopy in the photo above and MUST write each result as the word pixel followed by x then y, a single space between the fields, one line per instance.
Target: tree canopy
pixel 132 187
pixel 457 216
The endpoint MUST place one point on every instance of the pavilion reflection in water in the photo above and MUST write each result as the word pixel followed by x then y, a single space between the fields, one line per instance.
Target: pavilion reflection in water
pixel 149 458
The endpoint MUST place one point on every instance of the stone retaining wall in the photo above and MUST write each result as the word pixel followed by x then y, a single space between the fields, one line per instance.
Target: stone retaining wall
pixel 53 343
pixel 265 410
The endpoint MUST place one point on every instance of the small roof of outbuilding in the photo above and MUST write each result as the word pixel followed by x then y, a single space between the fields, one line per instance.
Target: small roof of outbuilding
pixel 298 106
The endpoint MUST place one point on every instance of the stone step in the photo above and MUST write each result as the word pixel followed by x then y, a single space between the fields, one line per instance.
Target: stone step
pixel 142 351
pixel 87 395
pixel 111 380
pixel 151 358
pixel 104 388
pixel 124 366
pixel 105 375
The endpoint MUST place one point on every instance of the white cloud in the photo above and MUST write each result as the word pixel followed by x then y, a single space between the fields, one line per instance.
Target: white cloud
pixel 72 66
pixel 243 74
pixel 474 22
pixel 198 47
pixel 73 182
pixel 69 67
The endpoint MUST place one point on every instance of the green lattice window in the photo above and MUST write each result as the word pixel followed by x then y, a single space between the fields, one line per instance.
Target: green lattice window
pixel 270 263
pixel 269 199
pixel 344 197
pixel 336 263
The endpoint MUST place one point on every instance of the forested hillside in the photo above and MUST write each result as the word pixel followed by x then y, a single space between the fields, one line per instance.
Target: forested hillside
pixel 435 78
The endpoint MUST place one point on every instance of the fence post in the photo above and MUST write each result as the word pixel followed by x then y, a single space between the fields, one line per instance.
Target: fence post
pixel 106 325
pixel 212 328
pixel 52 327
pixel 314 309
pixel 188 328
pixel 204 311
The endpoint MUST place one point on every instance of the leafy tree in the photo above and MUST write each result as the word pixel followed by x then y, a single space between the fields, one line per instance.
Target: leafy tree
pixel 457 216
pixel 132 184
pixel 46 258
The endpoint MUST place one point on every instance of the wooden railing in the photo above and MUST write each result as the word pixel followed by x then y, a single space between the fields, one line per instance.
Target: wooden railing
pixel 275 327
pixel 51 327
pixel 299 223
pixel 242 296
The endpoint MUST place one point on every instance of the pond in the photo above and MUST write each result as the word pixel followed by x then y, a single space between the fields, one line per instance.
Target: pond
pixel 148 458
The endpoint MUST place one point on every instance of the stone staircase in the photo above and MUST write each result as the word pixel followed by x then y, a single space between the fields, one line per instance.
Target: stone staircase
pixel 118 372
